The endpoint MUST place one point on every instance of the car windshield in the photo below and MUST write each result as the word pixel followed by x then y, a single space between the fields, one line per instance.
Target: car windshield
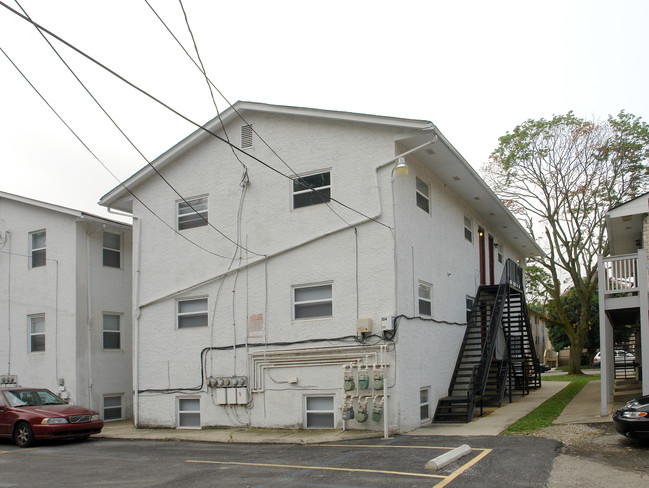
pixel 32 397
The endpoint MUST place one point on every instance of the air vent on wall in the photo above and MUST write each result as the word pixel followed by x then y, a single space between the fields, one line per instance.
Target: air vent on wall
pixel 246 136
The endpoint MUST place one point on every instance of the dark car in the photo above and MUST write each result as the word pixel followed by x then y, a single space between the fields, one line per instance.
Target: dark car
pixel 31 414
pixel 632 420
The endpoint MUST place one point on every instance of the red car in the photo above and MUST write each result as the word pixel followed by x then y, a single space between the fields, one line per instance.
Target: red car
pixel 31 414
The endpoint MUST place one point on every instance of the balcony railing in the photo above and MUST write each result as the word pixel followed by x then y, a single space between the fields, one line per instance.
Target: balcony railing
pixel 621 273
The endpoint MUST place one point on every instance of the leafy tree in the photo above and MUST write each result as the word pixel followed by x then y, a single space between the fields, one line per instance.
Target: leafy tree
pixel 572 308
pixel 560 176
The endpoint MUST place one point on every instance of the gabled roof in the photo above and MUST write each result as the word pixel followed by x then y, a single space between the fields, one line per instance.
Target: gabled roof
pixel 447 163
pixel 78 214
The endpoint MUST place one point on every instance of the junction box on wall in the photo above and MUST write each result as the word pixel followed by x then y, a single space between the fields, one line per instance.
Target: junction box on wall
pixel 229 390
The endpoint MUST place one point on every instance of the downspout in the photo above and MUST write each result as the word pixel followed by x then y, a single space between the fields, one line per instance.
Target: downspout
pixel 136 323
pixel 8 236
pixel 89 321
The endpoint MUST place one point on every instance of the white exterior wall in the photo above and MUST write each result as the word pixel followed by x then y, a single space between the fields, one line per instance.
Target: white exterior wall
pixel 305 246
pixel 432 248
pixel 58 290
pixel 298 255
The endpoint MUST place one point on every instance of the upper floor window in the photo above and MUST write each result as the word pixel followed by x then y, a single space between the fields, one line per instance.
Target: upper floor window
pixel 311 189
pixel 112 249
pixel 468 229
pixel 423 199
pixel 111 331
pixel 246 136
pixel 37 248
pixel 192 213
pixel 425 299
pixel 37 333
pixel 312 302
pixel 192 313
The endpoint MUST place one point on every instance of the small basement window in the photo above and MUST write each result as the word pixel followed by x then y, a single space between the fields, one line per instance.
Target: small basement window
pixel 189 413
pixel 319 412
pixel 113 407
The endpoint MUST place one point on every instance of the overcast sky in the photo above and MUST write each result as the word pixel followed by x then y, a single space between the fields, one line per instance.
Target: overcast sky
pixel 476 69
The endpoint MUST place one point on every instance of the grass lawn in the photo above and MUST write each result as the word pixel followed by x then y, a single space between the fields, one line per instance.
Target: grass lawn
pixel 550 409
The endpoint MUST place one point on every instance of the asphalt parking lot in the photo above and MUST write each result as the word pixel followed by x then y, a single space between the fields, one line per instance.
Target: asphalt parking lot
pixel 400 461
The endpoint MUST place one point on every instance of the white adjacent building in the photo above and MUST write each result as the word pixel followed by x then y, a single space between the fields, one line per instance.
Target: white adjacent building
pixel 292 280
pixel 65 306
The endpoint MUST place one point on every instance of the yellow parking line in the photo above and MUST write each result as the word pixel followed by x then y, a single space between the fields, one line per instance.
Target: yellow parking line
pixel 386 446
pixel 463 468
pixel 322 468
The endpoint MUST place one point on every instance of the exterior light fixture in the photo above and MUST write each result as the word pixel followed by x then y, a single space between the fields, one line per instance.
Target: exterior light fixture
pixel 401 169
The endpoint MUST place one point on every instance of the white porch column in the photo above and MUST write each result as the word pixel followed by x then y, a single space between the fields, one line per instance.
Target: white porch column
pixel 643 294
pixel 606 345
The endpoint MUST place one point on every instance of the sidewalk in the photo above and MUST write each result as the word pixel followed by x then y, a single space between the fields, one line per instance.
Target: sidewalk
pixel 584 408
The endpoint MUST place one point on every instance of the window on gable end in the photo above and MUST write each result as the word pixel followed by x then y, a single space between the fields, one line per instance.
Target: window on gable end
pixel 423 198
pixel 311 189
pixel 192 213
pixel 311 302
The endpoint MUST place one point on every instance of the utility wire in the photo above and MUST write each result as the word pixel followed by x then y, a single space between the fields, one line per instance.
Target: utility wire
pixel 102 163
pixel 203 128
pixel 211 85
pixel 207 80
pixel 124 134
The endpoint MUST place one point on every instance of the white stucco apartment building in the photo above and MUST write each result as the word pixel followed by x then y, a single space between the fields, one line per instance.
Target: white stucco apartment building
pixel 65 283
pixel 348 290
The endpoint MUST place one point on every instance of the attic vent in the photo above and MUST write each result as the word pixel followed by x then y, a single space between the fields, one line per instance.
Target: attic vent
pixel 246 136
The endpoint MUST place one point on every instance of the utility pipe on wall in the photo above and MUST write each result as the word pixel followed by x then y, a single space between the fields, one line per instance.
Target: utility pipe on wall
pixel 136 324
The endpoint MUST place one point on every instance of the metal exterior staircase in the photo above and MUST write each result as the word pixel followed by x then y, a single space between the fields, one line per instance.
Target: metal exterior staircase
pixel 478 378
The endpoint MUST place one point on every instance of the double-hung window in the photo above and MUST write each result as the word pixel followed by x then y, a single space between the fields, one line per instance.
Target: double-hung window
pixel 469 308
pixel 423 192
pixel 312 302
pixel 425 298
pixel 192 213
pixel 112 249
pixel 424 404
pixel 468 229
pixel 37 333
pixel 37 249
pixel 111 331
pixel 192 313
pixel 311 189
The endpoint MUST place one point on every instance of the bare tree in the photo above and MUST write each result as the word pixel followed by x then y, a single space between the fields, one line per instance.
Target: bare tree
pixel 560 177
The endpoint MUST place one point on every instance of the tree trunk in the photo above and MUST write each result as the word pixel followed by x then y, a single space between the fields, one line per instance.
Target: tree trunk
pixel 574 363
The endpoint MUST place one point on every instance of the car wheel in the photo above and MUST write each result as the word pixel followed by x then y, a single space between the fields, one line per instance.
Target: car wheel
pixel 23 435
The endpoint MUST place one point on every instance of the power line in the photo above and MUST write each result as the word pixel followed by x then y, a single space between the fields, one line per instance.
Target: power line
pixel 101 162
pixel 144 92
pixel 211 85
pixel 127 138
